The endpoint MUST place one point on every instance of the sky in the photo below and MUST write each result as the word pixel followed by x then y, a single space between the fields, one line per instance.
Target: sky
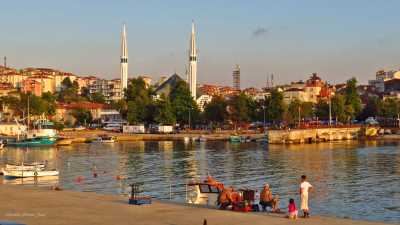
pixel 290 39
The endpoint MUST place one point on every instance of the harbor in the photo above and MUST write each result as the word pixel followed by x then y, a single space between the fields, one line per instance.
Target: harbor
pixel 164 168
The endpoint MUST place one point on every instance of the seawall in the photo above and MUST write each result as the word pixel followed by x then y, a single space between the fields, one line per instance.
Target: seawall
pixel 292 136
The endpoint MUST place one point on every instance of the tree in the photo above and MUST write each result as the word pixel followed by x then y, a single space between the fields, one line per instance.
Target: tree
pixel 372 108
pixel 352 99
pixel 322 110
pixel 183 104
pixel 66 83
pixel 275 106
pixel 82 116
pixel 239 108
pixel 69 91
pixel 338 108
pixel 37 105
pixel 390 108
pixel 298 110
pixel 97 97
pixel 164 114
pixel 138 100
pixel 215 111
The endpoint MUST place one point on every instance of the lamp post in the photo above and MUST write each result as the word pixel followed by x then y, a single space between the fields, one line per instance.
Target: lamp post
pixel 330 110
pixel 189 117
pixel 264 116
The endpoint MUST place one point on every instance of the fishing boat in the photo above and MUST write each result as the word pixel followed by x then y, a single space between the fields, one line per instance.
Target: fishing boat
pixel 32 142
pixel 34 166
pixel 104 139
pixel 10 174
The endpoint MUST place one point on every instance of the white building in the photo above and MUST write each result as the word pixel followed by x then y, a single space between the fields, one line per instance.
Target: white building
pixel 111 89
pixel 202 101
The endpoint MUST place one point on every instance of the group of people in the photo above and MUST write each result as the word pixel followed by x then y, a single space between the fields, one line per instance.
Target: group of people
pixel 305 188
pixel 267 200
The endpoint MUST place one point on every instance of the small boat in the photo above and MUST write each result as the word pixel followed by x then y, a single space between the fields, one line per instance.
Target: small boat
pixel 202 138
pixel 35 166
pixel 64 141
pixel 10 174
pixel 235 139
pixel 32 142
pixel 104 139
pixel 203 193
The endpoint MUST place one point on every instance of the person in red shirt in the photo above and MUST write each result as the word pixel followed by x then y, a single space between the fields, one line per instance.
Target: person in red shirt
pixel 292 210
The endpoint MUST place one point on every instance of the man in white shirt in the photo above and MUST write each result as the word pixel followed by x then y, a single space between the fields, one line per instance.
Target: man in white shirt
pixel 305 187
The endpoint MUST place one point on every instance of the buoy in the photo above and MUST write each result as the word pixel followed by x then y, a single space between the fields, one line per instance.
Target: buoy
pixel 79 179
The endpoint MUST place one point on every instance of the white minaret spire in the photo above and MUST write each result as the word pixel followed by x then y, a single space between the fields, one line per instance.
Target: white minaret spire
pixel 192 75
pixel 124 60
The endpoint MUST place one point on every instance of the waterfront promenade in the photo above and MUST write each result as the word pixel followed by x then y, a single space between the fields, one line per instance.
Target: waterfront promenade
pixel 42 206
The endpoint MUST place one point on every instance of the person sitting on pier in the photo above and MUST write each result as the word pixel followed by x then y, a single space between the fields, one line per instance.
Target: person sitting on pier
pixel 225 198
pixel 213 182
pixel 267 200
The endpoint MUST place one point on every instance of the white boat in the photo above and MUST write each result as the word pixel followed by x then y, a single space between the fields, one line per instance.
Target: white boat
pixel 28 173
pixel 202 194
pixel 38 181
pixel 35 166
pixel 104 139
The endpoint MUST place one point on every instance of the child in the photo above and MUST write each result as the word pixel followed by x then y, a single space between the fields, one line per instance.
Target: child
pixel 292 210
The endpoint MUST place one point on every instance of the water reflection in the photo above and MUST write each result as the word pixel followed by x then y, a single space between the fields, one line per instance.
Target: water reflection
pixel 352 179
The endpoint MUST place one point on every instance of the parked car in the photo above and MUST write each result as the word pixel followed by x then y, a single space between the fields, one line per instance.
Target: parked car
pixel 371 121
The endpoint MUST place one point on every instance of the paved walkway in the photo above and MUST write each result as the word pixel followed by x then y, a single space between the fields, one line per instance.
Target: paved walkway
pixel 39 206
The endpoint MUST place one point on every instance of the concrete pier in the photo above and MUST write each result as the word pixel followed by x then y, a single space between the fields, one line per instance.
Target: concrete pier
pixel 43 206
pixel 312 135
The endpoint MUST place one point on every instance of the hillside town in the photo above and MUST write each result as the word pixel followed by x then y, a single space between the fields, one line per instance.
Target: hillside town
pixel 72 100
pixel 69 100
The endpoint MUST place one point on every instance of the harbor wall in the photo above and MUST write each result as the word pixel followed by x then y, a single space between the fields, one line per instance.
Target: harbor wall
pixel 291 136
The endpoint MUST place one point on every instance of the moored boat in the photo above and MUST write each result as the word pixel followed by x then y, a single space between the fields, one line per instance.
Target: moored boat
pixel 64 141
pixel 104 139
pixel 32 142
pixel 10 174
pixel 35 166
pixel 235 139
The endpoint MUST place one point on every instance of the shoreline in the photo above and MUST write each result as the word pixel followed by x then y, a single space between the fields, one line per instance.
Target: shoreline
pixel 41 205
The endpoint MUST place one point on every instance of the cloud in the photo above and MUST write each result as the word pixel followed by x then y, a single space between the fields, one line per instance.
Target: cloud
pixel 261 31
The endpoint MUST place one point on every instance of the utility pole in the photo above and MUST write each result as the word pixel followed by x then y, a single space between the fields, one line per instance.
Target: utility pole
pixel 264 116
pixel 299 117
pixel 189 117
pixel 5 61
pixel 330 111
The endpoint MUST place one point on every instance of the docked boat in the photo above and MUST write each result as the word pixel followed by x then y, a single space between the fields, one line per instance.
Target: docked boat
pixel 10 174
pixel 32 142
pixel 202 138
pixel 203 193
pixel 105 139
pixel 64 141
pixel 34 166
pixel 235 139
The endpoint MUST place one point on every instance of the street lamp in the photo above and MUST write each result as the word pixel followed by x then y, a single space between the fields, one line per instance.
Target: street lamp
pixel 264 116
